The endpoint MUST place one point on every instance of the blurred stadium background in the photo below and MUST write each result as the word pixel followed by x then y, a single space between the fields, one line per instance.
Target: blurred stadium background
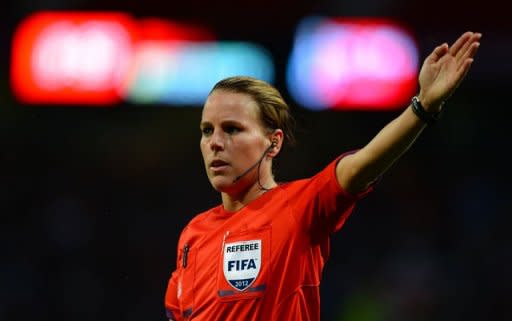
pixel 92 199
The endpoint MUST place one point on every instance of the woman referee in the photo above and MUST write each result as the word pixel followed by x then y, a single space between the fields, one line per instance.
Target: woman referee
pixel 259 255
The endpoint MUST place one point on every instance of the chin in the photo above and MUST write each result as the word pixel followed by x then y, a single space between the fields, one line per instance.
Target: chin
pixel 222 183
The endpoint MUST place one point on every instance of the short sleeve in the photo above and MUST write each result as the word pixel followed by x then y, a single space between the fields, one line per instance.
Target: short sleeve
pixel 322 204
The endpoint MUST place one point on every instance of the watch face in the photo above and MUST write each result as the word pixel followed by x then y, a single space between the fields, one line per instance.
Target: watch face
pixel 423 115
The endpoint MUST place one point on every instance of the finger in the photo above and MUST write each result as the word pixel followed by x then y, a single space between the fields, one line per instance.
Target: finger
pixel 438 52
pixel 471 52
pixel 462 72
pixel 459 43
pixel 469 49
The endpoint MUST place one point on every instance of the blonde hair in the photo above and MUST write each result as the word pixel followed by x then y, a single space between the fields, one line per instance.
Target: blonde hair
pixel 274 111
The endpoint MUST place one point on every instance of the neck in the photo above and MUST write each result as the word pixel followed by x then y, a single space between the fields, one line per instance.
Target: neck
pixel 233 202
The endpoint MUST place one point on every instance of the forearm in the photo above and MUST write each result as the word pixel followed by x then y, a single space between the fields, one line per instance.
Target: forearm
pixel 364 167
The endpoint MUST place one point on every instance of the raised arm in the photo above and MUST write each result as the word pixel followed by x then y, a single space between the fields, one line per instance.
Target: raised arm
pixel 441 73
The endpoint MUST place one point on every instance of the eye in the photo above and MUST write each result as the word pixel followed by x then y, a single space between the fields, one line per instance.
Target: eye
pixel 231 130
pixel 206 131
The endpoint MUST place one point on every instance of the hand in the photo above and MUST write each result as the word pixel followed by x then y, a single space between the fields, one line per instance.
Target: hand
pixel 444 69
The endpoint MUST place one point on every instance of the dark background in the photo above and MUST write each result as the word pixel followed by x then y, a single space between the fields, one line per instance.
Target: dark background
pixel 92 200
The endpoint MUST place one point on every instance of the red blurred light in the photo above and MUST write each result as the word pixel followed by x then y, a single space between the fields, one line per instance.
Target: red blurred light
pixel 155 29
pixel 71 57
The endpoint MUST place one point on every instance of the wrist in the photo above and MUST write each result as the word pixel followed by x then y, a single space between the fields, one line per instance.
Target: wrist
pixel 422 113
pixel 430 106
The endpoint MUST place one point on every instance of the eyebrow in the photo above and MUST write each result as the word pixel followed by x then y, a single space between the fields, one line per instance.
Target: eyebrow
pixel 223 123
pixel 204 124
pixel 232 122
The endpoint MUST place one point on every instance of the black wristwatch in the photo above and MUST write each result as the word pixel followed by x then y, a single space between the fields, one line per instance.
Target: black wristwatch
pixel 425 116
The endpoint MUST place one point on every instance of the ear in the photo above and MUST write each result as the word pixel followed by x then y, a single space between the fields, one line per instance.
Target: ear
pixel 276 139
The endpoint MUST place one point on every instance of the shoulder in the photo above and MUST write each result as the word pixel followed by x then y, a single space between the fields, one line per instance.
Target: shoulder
pixel 202 216
pixel 197 220
pixel 322 182
pixel 326 174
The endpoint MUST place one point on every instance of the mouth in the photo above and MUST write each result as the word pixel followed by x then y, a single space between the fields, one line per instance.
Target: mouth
pixel 218 164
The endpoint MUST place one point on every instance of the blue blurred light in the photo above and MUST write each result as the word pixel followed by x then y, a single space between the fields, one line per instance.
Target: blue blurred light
pixel 363 64
pixel 182 74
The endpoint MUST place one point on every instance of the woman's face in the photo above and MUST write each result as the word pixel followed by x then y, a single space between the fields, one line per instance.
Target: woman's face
pixel 233 139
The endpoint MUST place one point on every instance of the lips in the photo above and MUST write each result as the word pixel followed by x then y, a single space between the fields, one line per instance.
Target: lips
pixel 218 163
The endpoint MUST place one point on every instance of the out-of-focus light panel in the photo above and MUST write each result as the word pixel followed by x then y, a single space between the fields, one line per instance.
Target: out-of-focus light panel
pixel 183 73
pixel 352 64
pixel 105 58
pixel 60 58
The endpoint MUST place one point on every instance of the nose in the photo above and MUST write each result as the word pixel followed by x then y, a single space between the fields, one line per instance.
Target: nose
pixel 216 141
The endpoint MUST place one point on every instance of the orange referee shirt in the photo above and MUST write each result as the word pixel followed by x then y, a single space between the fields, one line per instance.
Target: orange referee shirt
pixel 262 262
